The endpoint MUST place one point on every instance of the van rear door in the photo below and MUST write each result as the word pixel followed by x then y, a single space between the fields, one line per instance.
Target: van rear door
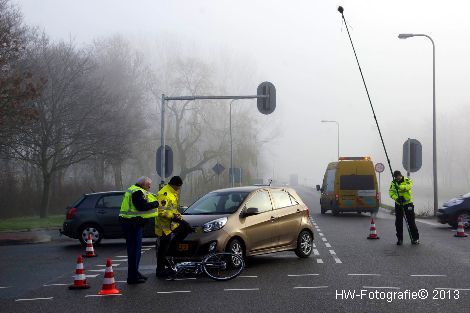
pixel 358 191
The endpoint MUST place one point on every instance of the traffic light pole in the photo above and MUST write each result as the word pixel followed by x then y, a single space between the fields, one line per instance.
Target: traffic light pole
pixel 192 98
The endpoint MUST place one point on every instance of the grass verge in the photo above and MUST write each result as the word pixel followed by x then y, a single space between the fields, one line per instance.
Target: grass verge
pixel 31 222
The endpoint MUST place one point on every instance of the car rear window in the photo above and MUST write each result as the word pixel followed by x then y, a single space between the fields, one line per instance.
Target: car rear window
pixel 110 201
pixel 283 199
pixel 357 182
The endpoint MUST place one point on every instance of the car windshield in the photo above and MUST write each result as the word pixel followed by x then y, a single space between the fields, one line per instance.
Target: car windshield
pixel 217 203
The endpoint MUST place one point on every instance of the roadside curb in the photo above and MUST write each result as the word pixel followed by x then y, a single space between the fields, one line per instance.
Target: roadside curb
pixel 27 236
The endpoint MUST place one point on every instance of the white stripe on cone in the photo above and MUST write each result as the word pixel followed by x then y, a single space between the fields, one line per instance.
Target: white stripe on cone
pixel 80 277
pixel 108 281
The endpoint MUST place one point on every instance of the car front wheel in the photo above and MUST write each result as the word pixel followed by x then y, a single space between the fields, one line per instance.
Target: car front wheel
pixel 304 244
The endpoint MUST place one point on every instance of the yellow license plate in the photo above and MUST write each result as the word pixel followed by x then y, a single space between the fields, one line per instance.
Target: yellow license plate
pixel 183 247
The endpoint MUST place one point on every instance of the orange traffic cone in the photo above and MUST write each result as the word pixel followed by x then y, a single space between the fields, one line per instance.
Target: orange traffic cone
pixel 109 285
pixel 373 230
pixel 89 252
pixel 460 229
pixel 80 277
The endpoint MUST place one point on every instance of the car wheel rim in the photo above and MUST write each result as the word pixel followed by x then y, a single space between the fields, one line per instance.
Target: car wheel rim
pixel 95 234
pixel 306 243
pixel 466 219
pixel 237 250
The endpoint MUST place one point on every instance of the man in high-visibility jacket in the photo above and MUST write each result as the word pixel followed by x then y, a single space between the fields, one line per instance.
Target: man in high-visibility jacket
pixel 136 209
pixel 400 192
pixel 169 221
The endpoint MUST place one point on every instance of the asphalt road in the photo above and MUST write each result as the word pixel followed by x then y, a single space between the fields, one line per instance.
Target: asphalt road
pixel 34 278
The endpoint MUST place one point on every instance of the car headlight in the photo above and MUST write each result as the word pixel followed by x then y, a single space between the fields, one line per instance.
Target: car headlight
pixel 214 225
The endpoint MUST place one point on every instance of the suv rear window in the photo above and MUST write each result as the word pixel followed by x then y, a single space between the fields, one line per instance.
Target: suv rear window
pixel 357 182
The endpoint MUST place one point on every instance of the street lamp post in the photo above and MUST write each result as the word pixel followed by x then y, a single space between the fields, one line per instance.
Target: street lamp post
pixel 337 124
pixel 434 149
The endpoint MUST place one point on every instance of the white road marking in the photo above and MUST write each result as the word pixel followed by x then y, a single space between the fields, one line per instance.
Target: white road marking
pixel 240 289
pixel 321 234
pixel 337 260
pixel 149 247
pixel 327 245
pixel 104 265
pixel 117 294
pixel 92 276
pixel 429 222
pixel 121 256
pixel 301 275
pixel 176 291
pixel 315 252
pixel 426 275
pixel 364 275
pixel 5 287
pixel 101 270
pixel 332 252
pixel 34 299
pixel 121 281
pixel 313 245
pixel 324 239
pixel 319 261
pixel 123 260
pixel 248 276
pixel 312 287
pixel 373 287
pixel 459 289
pixel 50 285
pixel 189 278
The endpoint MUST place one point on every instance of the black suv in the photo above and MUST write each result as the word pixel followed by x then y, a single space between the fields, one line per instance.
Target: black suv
pixel 98 214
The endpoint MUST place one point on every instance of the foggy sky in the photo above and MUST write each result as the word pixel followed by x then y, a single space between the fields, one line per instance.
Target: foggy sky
pixel 303 48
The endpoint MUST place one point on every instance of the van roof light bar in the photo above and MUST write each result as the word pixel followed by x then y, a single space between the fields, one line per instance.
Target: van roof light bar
pixel 354 158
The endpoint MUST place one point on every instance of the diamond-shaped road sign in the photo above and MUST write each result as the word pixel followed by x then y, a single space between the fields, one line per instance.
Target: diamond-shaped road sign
pixel 218 168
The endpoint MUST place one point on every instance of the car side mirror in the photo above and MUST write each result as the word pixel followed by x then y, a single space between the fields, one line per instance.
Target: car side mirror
pixel 318 188
pixel 250 212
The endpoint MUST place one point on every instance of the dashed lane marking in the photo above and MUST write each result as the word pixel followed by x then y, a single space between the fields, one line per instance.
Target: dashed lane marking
pixel 319 260
pixel 333 253
pixel 364 275
pixel 104 265
pixel 5 287
pixel 101 270
pixel 321 234
pixel 374 287
pixel 121 256
pixel 34 299
pixel 123 260
pixel 149 247
pixel 51 285
pixel 301 275
pixel 318 230
pixel 248 276
pixel 242 289
pixel 92 276
pixel 428 275
pixel 94 296
pixel 176 291
pixel 313 245
pixel 315 252
pixel 311 287
pixel 180 279
pixel 324 239
pixel 327 245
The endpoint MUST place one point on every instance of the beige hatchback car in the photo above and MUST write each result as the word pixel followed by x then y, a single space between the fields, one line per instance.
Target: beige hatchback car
pixel 247 221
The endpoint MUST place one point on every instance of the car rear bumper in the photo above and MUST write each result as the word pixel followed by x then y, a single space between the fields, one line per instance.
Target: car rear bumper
pixel 68 230
pixel 442 217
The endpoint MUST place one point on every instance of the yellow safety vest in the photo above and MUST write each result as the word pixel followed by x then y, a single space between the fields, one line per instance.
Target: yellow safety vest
pixel 404 190
pixel 128 209
pixel 168 210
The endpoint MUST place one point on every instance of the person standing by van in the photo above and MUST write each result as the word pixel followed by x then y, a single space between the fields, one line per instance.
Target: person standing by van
pixel 400 192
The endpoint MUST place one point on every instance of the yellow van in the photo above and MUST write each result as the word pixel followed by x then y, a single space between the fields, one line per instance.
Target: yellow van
pixel 349 185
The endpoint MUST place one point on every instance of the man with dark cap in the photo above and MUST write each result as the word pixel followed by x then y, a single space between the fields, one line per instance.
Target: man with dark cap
pixel 400 192
pixel 169 221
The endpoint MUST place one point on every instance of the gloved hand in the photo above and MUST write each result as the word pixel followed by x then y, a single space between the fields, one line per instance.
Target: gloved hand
pixel 401 200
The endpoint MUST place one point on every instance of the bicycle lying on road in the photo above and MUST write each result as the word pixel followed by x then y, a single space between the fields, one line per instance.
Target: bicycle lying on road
pixel 219 266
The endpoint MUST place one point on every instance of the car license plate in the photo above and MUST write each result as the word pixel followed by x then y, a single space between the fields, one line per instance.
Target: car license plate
pixel 183 247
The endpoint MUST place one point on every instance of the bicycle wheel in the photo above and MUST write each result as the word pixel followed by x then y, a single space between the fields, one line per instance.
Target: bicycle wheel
pixel 223 266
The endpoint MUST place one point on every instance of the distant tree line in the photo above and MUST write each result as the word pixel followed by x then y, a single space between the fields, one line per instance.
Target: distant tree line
pixel 81 119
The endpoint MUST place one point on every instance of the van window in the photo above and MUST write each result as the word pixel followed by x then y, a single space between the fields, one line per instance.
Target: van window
pixel 330 180
pixel 283 199
pixel 357 182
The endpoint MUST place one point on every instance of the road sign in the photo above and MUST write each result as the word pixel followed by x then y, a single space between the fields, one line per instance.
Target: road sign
pixel 266 105
pixel 168 161
pixel 218 168
pixel 235 173
pixel 379 167
pixel 413 155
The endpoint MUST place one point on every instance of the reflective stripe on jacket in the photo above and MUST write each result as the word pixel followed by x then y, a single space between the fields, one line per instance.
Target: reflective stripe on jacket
pixel 128 209
pixel 404 190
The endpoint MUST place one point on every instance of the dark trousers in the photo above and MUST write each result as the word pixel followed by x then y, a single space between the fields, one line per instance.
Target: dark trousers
pixel 410 217
pixel 164 243
pixel 133 230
